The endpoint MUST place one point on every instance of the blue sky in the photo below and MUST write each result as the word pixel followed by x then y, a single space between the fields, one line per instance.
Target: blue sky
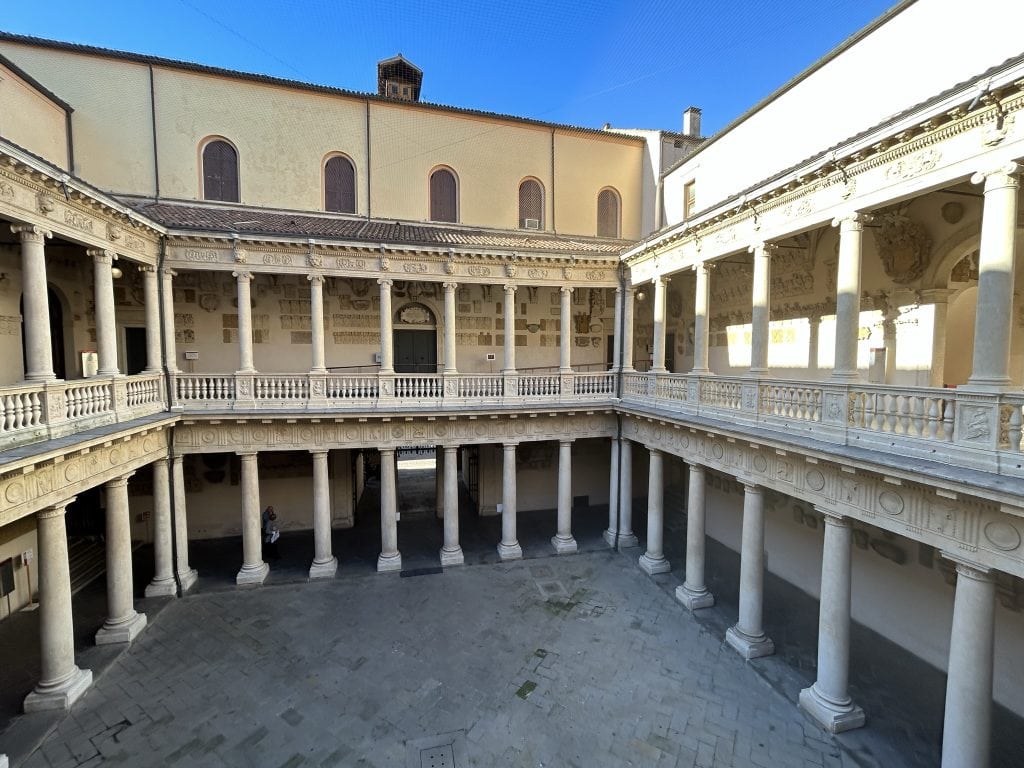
pixel 633 63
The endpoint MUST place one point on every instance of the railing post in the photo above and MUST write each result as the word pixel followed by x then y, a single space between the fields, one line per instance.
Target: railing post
pixel 317 391
pixel 510 383
pixel 119 391
pixel 977 424
pixel 386 386
pixel 450 386
pixel 566 388
pixel 55 405
pixel 749 398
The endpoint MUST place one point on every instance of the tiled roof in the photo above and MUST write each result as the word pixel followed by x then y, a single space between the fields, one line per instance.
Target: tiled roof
pixel 243 220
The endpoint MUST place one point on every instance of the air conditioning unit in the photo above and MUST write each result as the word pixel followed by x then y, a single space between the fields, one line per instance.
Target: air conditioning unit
pixel 531 223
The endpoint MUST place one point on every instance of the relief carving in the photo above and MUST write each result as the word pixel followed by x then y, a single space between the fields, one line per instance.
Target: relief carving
pixel 904 247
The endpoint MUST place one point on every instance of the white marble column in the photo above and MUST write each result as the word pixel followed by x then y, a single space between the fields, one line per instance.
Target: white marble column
pixel 967 725
pixel 509 364
pixel 103 302
pixel 889 318
pixel 245 362
pixel 451 551
pixel 994 318
pixel 61 682
pixel 701 319
pixel 151 298
pixel 390 558
pixel 617 329
pixel 508 548
pixel 439 482
pixel 565 348
pixel 625 537
pixel 123 623
pixel 254 570
pixel 35 303
pixel 939 299
pixel 748 636
pixel 814 334
pixel 387 336
pixel 628 307
pixel 760 317
pixel 660 289
pixel 163 574
pixel 828 700
pixel 450 347
pixel 187 575
pixel 167 307
pixel 563 540
pixel 611 533
pixel 694 593
pixel 653 560
pixel 848 267
pixel 325 564
pixel 316 309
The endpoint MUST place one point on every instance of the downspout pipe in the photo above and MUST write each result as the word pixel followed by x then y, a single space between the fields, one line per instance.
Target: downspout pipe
pixel 619 389
pixel 168 384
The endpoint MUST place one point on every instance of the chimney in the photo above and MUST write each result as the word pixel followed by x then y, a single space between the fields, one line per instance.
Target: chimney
pixel 691 122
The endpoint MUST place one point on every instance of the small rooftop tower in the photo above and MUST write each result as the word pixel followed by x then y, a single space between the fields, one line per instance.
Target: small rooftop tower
pixel 399 78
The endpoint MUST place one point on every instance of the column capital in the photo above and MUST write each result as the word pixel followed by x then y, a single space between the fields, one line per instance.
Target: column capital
pixel 242 276
pixel 654 451
pixel 997 178
pixel 853 221
pixel 510 288
pixel 319 451
pixel 119 482
pixel 509 446
pixel 316 278
pixel 55 511
pixel 247 455
pixel 450 287
pixel 30 233
pixel 566 290
pixel 178 459
pixel 167 273
pixel 935 295
pixel 450 448
pixel 662 279
pixel 833 518
pixel 566 442
pixel 697 469
pixel 146 269
pixel 767 249
pixel 968 568
pixel 387 451
pixel 752 488
pixel 703 267
pixel 162 460
pixel 385 282
pixel 101 255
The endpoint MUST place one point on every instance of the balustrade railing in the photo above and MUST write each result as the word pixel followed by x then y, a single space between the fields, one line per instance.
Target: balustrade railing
pixel 476 386
pixel 358 387
pixel 790 400
pixel 281 387
pixel 926 413
pixel 88 398
pixel 539 386
pixel 21 409
pixel 418 386
pixel 721 392
pixel 594 384
pixel 192 387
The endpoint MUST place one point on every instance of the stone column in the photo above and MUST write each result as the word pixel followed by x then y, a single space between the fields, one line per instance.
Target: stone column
pixel 123 624
pixel 967 725
pixel 563 541
pixel 61 682
pixel 163 574
pixel 694 593
pixel 565 348
pixel 660 284
pixel 814 331
pixel 450 365
pixel 828 700
pixel 509 364
pixel 625 536
pixel 451 552
pixel 316 308
pixel 390 558
pixel 151 298
pixel 701 320
pixel 187 575
pixel 245 364
pixel 994 319
pixel 939 299
pixel 325 564
pixel 627 330
pixel 760 317
pixel 653 560
pixel 103 298
pixel 254 570
pixel 748 636
pixel 35 303
pixel 617 330
pixel 889 318
pixel 508 548
pixel 167 307
pixel 387 340
pixel 439 482
pixel 611 534
pixel 851 235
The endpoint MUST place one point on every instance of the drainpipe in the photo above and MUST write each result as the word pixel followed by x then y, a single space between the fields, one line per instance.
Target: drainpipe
pixel 369 188
pixel 168 383
pixel 619 388
pixel 152 119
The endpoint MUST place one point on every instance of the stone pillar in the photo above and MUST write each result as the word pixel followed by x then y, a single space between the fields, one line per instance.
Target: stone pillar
pixel 967 725
pixel 565 348
pixel 617 330
pixel 694 593
pixel 509 364
pixel 387 340
pixel 828 700
pixel 254 570
pixel 889 318
pixel 103 298
pixel 660 284
pixel 611 534
pixel 748 636
pixel 186 574
pixel 627 330
pixel 814 331
pixel 390 558
pixel 163 583
pixel 451 552
pixel 316 308
pixel 625 536
pixel 851 236
pixel 653 560
pixel 167 307
pixel 325 564
pixel 245 364
pixel 508 548
pixel 760 317
pixel 701 320
pixel 61 682
pixel 994 319
pixel 151 298
pixel 450 365
pixel 563 541
pixel 939 299
pixel 123 624
pixel 35 303
pixel 439 482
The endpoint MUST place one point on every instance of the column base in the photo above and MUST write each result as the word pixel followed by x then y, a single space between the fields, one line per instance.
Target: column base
pixel 386 563
pixel 3 761
pixel 694 600
pixel 510 551
pixel 162 588
pixel 652 565
pixel 61 695
pixel 565 546
pixel 749 646
pixel 610 537
pixel 833 717
pixel 188 579
pixel 325 570
pixel 627 540
pixel 123 631
pixel 252 574
pixel 452 556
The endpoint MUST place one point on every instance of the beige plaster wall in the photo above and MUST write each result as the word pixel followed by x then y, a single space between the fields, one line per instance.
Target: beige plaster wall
pixel 15 539
pixel 31 120
pixel 583 167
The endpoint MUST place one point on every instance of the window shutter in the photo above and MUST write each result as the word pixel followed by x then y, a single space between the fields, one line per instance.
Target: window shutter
pixel 443 192
pixel 340 185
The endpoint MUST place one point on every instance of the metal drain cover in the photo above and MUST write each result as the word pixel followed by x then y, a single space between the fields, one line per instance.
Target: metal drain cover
pixel 445 750
pixel 437 757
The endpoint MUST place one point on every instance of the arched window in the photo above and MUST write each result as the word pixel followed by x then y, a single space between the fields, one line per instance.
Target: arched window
pixel 444 196
pixel 339 185
pixel 531 204
pixel 608 213
pixel 220 171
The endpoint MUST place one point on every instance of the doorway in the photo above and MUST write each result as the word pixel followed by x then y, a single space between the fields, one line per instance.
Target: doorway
pixel 56 335
pixel 415 350
pixel 135 350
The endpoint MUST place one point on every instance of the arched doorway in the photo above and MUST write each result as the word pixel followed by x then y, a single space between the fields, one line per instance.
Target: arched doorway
pixel 56 334
pixel 415 339
pixel 960 312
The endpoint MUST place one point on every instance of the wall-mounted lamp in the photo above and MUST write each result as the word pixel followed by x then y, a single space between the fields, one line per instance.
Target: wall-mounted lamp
pixel 116 273
pixel 533 327
pixel 641 296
